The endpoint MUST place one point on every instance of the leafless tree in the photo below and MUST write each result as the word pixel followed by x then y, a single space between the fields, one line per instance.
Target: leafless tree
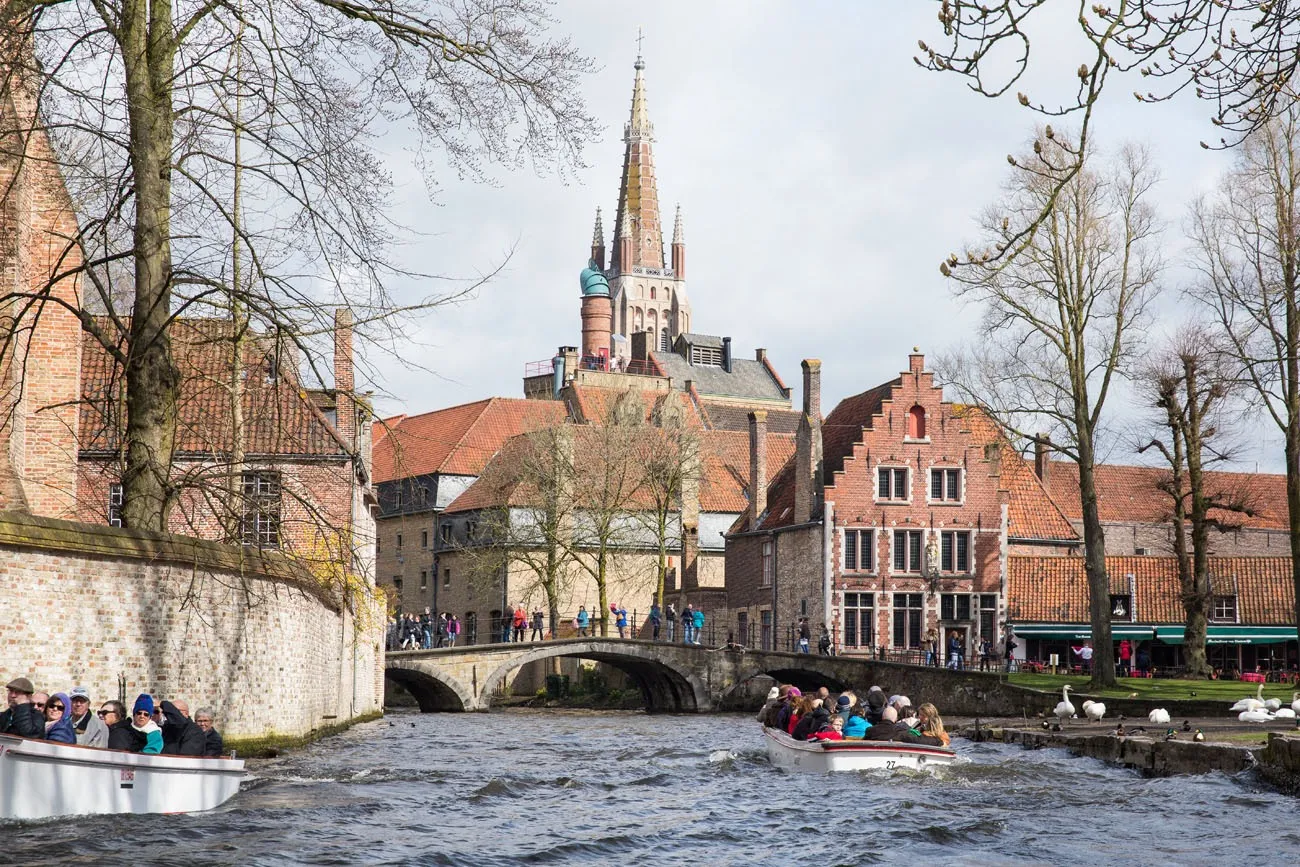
pixel 1190 383
pixel 1241 55
pixel 155 110
pixel 1062 320
pixel 1247 235
pixel 672 463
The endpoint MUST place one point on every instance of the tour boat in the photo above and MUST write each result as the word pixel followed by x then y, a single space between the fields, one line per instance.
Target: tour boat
pixel 41 780
pixel 823 756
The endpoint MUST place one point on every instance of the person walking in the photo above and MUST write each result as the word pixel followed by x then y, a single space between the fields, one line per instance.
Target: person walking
pixel 539 626
pixel 932 647
pixel 824 643
pixel 583 622
pixel 1126 658
pixel 520 622
pixel 688 624
pixel 986 653
pixel 954 651
pixel 453 630
pixel 699 624
pixel 671 616
pixel 655 620
pixel 805 636
pixel 620 620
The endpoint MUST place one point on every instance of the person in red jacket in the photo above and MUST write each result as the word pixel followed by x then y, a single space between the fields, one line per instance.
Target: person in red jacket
pixel 832 731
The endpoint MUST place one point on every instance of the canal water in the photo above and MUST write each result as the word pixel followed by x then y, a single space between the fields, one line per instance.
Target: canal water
pixel 575 787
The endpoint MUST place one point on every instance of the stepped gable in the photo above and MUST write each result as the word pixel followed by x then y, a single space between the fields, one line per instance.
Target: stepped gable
pixel 1032 513
pixel 281 417
pixel 1131 494
pixel 843 428
pixel 458 440
pixel 725 458
pixel 1055 589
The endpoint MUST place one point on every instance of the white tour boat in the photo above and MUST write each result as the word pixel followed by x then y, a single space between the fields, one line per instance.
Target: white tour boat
pixel 41 780
pixel 823 756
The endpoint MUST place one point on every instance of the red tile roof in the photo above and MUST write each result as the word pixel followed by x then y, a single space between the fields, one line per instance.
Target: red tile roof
pixel 1131 494
pixel 459 440
pixel 843 428
pixel 281 417
pixel 593 405
pixel 1055 589
pixel 726 467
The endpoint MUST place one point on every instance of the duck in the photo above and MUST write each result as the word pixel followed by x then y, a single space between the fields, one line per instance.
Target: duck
pixel 1159 716
pixel 1255 716
pixel 1256 703
pixel 1094 710
pixel 1199 737
pixel 1119 730
pixel 1171 735
pixel 1064 709
pixel 1187 725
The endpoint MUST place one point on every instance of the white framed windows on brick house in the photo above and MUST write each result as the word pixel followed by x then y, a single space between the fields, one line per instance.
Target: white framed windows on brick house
pixel 893 485
pixel 1224 609
pixel 859 550
pixel 955 607
pixel 955 551
pixel 907 551
pixel 946 485
pixel 859 622
pixel 768 565
pixel 115 498
pixel 259 525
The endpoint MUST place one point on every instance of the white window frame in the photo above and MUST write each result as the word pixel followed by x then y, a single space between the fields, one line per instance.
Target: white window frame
pixel 852 543
pixel 970 552
pixel 919 565
pixel 943 498
pixel 893 470
pixel 767 557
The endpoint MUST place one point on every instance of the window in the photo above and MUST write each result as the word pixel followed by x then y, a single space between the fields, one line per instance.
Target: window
pixel 768 565
pixel 665 344
pixel 446 578
pixel 259 525
pixel 916 423
pixel 859 550
pixel 399 544
pixel 742 628
pixel 907 620
pixel 1121 606
pixel 954 606
pixel 652 293
pixel 115 506
pixel 424 538
pixel 445 533
pixel 1225 608
pixel 424 580
pixel 859 619
pixel 892 483
pixel 765 628
pixel 397 498
pixel 907 551
pixel 471 531
pixel 397 584
pixel 954 551
pixel 945 485
pixel 988 615
pixel 706 356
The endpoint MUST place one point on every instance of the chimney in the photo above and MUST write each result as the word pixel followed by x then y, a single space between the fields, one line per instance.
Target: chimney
pixel 916 360
pixel 726 354
pixel 1042 457
pixel 757 466
pixel 808 445
pixel 344 383
pixel 760 355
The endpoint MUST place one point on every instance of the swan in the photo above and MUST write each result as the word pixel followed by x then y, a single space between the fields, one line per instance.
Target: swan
pixel 1284 713
pixel 1255 716
pixel 1271 704
pixel 1159 716
pixel 1295 702
pixel 1256 703
pixel 1094 710
pixel 1064 710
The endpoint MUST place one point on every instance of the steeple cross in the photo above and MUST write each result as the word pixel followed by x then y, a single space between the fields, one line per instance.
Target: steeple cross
pixel 639 38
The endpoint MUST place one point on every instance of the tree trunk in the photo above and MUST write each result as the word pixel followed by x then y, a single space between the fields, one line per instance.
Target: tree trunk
pixel 663 559
pixel 1196 583
pixel 601 592
pixel 1094 547
pixel 152 380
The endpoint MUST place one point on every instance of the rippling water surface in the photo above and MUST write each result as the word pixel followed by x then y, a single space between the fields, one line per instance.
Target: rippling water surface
pixel 562 787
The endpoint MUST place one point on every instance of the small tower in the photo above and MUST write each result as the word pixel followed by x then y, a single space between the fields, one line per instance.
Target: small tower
pixel 679 246
pixel 598 243
pixel 597 312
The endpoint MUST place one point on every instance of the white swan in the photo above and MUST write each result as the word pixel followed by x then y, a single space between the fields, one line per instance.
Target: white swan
pixel 1159 716
pixel 1094 710
pixel 1256 703
pixel 1064 710
pixel 1284 713
pixel 1271 704
pixel 1295 702
pixel 1255 716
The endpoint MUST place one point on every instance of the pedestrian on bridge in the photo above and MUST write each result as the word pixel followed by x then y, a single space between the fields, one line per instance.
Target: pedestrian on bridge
pixel 671 617
pixel 583 621
pixel 656 618
pixel 699 624
pixel 688 624
pixel 539 626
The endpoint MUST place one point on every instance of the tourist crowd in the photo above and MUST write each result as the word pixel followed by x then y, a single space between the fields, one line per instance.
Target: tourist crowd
pixel 163 727
pixel 423 631
pixel 822 716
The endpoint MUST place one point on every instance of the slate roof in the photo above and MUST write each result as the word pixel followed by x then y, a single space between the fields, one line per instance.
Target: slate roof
pixel 459 440
pixel 747 379
pixel 1055 589
pixel 1130 494
pixel 281 417
pixel 727 416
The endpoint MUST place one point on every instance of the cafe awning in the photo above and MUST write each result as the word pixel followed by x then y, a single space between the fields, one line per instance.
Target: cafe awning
pixel 1167 633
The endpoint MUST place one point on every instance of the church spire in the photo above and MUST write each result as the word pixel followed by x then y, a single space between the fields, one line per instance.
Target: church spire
pixel 679 246
pixel 638 197
pixel 598 242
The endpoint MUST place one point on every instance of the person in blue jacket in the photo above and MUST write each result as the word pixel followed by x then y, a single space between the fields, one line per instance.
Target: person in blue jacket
pixel 58 719
pixel 699 624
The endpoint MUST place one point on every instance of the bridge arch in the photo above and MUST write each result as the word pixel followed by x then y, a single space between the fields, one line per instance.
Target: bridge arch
pixel 664 686
pixel 806 677
pixel 432 690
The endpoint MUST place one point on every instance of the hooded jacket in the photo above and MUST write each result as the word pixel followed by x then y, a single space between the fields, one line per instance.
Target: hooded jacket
pixel 181 735
pixel 60 731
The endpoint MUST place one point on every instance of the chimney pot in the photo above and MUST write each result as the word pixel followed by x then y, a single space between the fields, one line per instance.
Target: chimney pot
pixel 726 354
pixel 1042 457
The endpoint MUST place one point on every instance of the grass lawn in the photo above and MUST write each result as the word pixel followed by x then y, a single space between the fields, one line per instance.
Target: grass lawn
pixel 1227 691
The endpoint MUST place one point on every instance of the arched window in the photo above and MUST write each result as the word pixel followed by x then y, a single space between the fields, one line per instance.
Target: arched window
pixel 652 323
pixel 652 293
pixel 638 326
pixel 916 423
pixel 664 345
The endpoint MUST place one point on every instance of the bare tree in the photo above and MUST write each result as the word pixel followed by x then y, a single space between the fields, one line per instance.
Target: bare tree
pixel 1062 319
pixel 146 103
pixel 1242 55
pixel 1189 384
pixel 1248 238
pixel 672 461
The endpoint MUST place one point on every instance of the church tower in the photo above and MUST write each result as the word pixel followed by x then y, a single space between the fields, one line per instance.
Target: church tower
pixel 648 294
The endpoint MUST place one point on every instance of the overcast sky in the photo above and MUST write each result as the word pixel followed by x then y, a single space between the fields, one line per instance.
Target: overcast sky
pixel 822 176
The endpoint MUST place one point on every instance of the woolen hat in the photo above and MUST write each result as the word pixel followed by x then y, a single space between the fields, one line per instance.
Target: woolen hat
pixel 773 694
pixel 843 701
pixel 143 703
pixel 79 692
pixel 21 684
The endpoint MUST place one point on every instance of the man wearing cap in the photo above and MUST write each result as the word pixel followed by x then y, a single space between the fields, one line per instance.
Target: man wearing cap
pixel 21 717
pixel 90 729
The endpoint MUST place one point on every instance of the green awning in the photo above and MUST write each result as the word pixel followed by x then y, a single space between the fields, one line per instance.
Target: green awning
pixel 1167 633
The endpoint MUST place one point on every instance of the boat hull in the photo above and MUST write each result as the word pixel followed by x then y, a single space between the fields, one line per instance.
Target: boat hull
pixel 828 756
pixel 41 780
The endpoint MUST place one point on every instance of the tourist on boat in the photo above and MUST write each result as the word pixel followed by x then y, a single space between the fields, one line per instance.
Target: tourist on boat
pixel 831 730
pixel 58 719
pixel 843 705
pixel 212 743
pixel 773 700
pixel 699 624
pixel 583 620
pixel 784 712
pixel 89 728
pixel 928 729
pixel 121 734
pixel 813 721
pixel 856 725
pixel 180 735
pixel 802 707
pixel 21 716
pixel 142 722
pixel 875 704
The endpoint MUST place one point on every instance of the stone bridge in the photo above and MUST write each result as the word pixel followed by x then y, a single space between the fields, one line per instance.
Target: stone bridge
pixel 681 678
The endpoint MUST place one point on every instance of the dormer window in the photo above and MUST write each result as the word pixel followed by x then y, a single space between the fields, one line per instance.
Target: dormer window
pixel 916 423
pixel 1121 607
pixel 1225 609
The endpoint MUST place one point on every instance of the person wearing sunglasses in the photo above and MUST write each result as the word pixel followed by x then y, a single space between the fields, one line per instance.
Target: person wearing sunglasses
pixel 121 734
pixel 142 722
pixel 58 719
pixel 21 717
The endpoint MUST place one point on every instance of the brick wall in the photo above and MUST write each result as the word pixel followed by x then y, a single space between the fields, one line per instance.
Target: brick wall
pixel 266 649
